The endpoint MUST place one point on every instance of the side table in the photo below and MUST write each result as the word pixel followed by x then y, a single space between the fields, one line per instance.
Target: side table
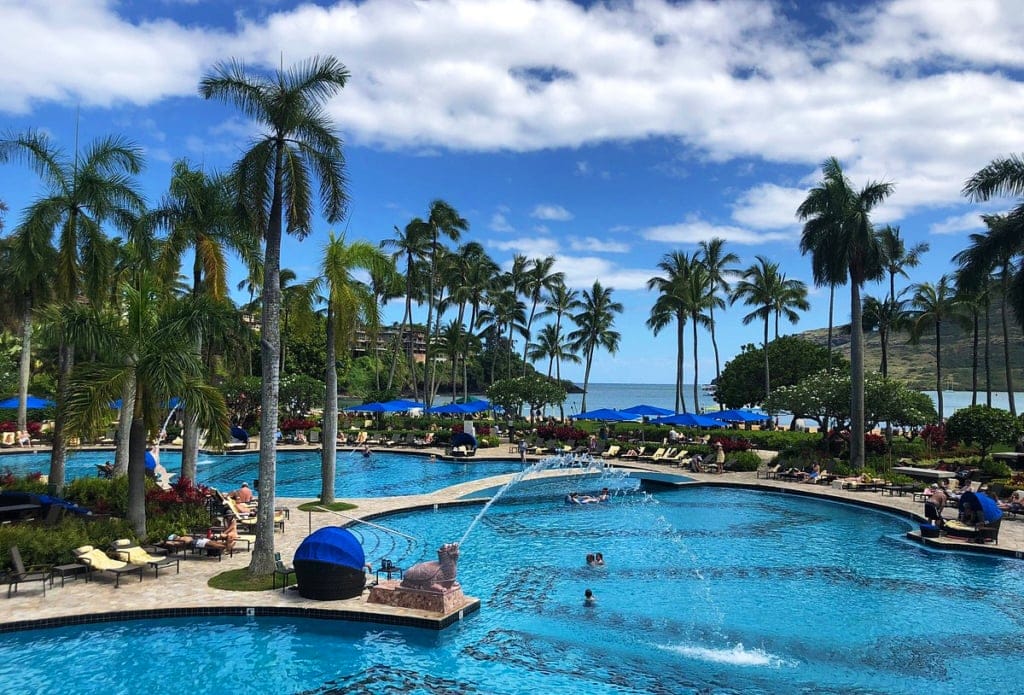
pixel 72 570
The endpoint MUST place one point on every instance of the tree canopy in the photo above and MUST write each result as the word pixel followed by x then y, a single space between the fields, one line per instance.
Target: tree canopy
pixel 792 359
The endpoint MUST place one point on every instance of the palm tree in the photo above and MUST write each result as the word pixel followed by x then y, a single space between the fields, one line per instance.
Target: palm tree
pixel 933 304
pixel 595 321
pixel 560 301
pixel 200 217
pixel 27 266
pixel 790 298
pixel 838 231
pixel 717 262
pixel 699 296
pixel 760 286
pixel 350 303
pixel 84 192
pixel 995 252
pixel 671 305
pixel 151 342
pixel 895 256
pixel 472 273
pixel 413 246
pixel 273 180
pixel 539 279
pixel 506 311
pixel 442 219
pixel 885 316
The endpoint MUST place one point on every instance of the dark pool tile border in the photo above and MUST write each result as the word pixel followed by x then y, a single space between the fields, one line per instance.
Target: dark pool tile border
pixel 436 624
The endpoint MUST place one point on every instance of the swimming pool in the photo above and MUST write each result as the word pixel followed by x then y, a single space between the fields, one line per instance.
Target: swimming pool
pixel 382 474
pixel 705 589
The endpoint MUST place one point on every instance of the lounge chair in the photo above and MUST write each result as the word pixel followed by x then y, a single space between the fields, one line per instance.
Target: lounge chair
pixel 8 439
pixel 768 473
pixel 21 574
pixel 127 551
pixel 97 560
pixel 611 452
pixel 679 458
pixel 655 456
pixel 282 570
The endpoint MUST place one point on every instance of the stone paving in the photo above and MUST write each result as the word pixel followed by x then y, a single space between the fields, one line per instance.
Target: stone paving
pixel 189 589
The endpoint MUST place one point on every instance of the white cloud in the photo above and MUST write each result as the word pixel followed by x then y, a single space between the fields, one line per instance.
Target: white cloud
pixel 914 91
pixel 556 213
pixel 768 206
pixel 595 245
pixel 694 230
pixel 967 222
pixel 531 247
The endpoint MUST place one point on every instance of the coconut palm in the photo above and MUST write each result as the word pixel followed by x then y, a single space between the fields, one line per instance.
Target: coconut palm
pixel 350 303
pixel 933 305
pixel 412 245
pixel 441 219
pixel 151 341
pixel 200 217
pixel 595 323
pixel 540 278
pixel 297 145
pixel 505 312
pixel 896 258
pixel 838 231
pixel 760 286
pixel 790 298
pixel 84 191
pixel 699 297
pixel 885 316
pixel 671 305
pixel 717 262
pixel 995 251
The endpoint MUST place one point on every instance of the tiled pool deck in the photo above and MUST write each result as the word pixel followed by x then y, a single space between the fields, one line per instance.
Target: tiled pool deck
pixel 187 592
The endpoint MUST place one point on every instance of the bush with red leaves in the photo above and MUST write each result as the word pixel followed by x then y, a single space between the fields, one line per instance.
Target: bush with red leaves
pixel 293 424
pixel 562 433
pixel 730 444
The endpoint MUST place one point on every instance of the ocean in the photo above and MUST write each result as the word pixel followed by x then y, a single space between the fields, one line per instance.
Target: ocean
pixel 621 396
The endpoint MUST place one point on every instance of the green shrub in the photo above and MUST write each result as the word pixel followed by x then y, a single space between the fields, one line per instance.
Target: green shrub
pixel 743 461
pixel 488 441
pixel 101 495
pixel 41 545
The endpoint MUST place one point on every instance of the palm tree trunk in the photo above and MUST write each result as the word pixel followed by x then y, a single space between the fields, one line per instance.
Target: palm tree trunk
pixel 190 433
pixel 988 353
pixel 124 426
pixel 586 379
pixel 883 339
pixel 136 513
pixel 24 366
pixel 767 374
pixel 831 314
pixel 714 345
pixel 680 341
pixel 696 399
pixel 857 377
pixel 329 445
pixel 59 452
pixel 974 360
pixel 938 368
pixel 262 562
pixel 1006 345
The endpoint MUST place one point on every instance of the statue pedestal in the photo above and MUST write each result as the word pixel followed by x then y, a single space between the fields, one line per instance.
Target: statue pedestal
pixel 389 593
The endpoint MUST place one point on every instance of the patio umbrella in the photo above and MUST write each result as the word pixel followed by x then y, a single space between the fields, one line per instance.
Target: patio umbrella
pixel 450 409
pixel 476 406
pixel 32 402
pixel 607 415
pixel 740 415
pixel 374 407
pixel 401 405
pixel 688 420
pixel 647 410
pixel 983 503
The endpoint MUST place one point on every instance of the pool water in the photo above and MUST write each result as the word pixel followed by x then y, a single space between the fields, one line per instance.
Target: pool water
pixel 709 590
pixel 382 474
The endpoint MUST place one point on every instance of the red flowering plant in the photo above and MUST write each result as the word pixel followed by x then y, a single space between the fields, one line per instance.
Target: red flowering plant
pixel 730 444
pixel 874 443
pixel 293 424
pixel 562 433
pixel 935 436
pixel 182 493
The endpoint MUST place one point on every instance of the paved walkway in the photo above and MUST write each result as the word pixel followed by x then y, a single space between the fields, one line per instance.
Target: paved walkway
pixel 188 589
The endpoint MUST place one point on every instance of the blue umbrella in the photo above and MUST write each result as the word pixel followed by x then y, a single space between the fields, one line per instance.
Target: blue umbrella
pixel 32 402
pixel 740 415
pixel 983 503
pixel 374 407
pixel 239 434
pixel 688 420
pixel 450 409
pixel 476 406
pixel 606 414
pixel 150 462
pixel 401 406
pixel 647 410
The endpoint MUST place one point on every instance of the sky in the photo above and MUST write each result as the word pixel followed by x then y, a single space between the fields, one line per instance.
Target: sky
pixel 604 134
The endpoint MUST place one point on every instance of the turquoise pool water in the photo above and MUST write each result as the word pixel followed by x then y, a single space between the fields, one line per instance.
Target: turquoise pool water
pixel 382 474
pixel 705 590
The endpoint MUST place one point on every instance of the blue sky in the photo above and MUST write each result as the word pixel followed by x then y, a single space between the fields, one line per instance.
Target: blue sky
pixel 606 135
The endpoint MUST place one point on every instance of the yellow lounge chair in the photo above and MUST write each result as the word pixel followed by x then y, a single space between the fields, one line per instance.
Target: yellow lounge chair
pixel 611 452
pixel 96 559
pixel 655 456
pixel 8 439
pixel 127 551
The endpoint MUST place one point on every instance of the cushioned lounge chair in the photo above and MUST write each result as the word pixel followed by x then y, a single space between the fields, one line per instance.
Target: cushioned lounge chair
pixel 611 452
pixel 21 574
pixel 97 560
pixel 127 551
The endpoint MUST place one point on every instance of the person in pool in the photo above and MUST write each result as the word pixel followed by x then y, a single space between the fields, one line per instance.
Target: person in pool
pixel 589 600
